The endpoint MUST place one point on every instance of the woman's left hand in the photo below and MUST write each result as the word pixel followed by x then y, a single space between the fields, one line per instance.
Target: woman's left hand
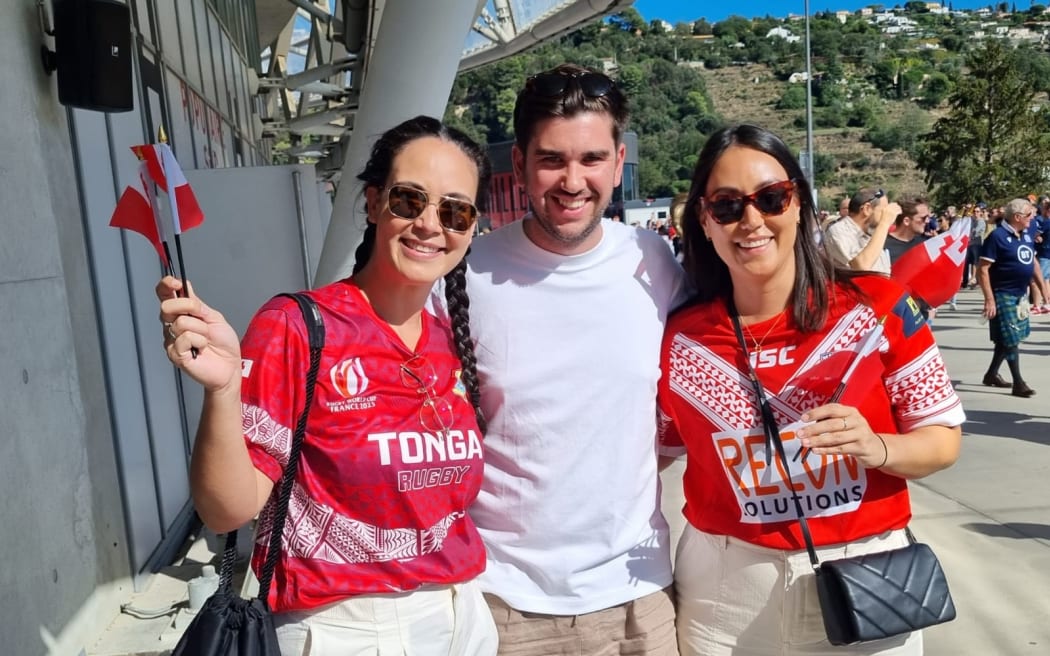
pixel 837 429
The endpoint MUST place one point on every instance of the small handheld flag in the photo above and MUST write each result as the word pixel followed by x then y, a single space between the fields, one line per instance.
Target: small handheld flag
pixel 867 347
pixel 138 211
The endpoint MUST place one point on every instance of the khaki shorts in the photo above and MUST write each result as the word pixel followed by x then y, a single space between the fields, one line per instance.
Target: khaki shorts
pixel 643 627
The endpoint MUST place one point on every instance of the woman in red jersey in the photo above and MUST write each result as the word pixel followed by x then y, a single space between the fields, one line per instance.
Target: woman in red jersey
pixel 743 578
pixel 378 553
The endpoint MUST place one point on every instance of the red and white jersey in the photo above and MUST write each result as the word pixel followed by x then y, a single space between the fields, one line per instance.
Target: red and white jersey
pixel 380 498
pixel 708 409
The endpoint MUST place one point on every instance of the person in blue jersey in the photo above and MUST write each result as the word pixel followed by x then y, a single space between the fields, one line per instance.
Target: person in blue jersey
pixel 1006 269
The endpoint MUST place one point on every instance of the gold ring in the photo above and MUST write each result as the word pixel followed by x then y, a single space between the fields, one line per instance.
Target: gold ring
pixel 845 426
pixel 169 331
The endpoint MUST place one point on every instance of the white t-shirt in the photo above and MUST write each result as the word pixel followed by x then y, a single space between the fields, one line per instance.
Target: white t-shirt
pixel 568 352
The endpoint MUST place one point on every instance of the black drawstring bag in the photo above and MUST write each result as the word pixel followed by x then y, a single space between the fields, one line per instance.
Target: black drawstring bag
pixel 227 624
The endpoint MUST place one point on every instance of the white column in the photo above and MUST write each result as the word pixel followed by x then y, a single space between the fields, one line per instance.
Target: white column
pixel 410 72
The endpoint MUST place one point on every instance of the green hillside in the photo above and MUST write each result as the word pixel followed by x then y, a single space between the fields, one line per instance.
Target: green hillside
pixel 881 78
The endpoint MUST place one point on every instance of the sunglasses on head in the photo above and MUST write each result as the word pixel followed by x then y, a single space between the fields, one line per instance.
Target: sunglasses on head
pixel 550 85
pixel 454 214
pixel 771 200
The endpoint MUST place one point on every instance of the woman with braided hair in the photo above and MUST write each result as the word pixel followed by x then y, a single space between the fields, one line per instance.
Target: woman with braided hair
pixel 378 555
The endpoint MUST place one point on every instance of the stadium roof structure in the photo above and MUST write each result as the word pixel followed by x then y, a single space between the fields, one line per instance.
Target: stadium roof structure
pixel 316 54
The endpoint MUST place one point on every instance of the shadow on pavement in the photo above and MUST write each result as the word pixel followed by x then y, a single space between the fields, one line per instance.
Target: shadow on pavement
pixel 1016 530
pixel 1030 428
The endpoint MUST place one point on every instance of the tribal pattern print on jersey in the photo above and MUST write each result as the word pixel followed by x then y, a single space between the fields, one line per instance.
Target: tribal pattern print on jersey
pixel 379 501
pixel 707 405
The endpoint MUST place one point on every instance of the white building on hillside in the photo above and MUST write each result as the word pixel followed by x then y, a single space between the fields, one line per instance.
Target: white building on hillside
pixel 783 33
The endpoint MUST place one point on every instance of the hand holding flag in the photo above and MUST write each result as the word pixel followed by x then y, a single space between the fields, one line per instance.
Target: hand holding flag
pixel 867 349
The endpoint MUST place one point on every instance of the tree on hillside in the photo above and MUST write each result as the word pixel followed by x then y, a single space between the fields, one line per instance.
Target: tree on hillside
pixel 629 20
pixel 990 144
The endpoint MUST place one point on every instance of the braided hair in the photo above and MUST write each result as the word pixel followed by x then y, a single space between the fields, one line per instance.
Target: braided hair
pixel 375 174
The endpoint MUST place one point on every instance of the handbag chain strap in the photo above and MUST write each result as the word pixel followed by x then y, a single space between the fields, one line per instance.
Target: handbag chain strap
pixel 316 335
pixel 769 426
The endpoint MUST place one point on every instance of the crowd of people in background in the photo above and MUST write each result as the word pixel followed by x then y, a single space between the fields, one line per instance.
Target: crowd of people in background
pixel 1010 243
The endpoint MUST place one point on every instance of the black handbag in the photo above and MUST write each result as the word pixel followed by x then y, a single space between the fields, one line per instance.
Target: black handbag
pixel 227 624
pixel 869 597
pixel 884 594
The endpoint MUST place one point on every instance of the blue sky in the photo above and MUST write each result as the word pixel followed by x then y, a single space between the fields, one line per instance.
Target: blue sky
pixel 674 11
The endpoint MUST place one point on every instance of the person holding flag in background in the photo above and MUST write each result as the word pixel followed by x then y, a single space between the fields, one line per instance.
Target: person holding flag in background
pixel 928 267
pixel 845 366
pixel 907 233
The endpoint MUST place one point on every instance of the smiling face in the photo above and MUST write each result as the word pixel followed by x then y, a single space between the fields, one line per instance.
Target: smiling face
pixel 758 249
pixel 569 171
pixel 418 251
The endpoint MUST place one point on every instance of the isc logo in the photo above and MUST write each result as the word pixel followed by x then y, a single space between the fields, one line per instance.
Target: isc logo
pixel 767 358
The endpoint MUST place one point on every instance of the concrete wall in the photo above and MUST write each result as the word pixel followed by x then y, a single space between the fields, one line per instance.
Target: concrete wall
pixel 64 558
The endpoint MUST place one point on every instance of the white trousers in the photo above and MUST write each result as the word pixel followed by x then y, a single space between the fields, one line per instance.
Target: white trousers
pixel 451 620
pixel 739 599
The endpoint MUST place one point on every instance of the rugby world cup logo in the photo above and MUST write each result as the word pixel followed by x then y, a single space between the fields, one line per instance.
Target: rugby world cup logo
pixel 348 378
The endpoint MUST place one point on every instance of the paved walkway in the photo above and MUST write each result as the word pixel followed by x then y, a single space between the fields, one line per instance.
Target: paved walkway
pixel 988 516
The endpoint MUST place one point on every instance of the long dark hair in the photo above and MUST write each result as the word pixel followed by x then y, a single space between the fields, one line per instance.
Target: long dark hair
pixel 376 173
pixel 815 274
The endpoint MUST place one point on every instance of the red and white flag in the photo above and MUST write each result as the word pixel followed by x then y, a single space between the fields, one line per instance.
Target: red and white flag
pixel 846 375
pixel 933 270
pixel 137 211
pixel 165 172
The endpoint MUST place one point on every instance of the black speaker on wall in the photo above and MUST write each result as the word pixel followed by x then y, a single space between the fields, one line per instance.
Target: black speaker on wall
pixel 93 54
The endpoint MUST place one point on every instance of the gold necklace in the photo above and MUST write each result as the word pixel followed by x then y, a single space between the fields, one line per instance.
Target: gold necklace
pixel 758 342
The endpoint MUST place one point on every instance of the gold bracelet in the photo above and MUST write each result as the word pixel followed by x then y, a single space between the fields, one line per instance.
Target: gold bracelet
pixel 885 451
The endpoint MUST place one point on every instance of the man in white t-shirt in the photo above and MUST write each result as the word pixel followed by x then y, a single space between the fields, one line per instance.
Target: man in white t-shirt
pixel 568 312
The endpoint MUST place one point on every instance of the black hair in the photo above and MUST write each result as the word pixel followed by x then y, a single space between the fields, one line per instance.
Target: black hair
pixel 376 174
pixel 815 274
pixel 532 108
pixel 863 196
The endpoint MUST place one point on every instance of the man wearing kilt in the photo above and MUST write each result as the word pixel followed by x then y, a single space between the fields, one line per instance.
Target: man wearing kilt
pixel 1006 268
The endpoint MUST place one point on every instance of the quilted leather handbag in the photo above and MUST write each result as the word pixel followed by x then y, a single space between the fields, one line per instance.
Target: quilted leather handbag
pixel 879 595
pixel 873 596
pixel 227 624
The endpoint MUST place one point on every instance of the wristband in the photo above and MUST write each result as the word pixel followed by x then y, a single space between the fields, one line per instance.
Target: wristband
pixel 885 451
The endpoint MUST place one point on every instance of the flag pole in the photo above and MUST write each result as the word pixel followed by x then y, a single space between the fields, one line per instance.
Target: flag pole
pixel 162 137
pixel 167 267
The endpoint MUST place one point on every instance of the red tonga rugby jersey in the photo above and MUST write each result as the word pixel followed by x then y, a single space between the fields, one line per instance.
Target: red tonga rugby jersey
pixel 707 405
pixel 379 502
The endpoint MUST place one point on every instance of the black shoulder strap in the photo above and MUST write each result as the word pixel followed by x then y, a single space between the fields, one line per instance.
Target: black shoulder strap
pixel 316 335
